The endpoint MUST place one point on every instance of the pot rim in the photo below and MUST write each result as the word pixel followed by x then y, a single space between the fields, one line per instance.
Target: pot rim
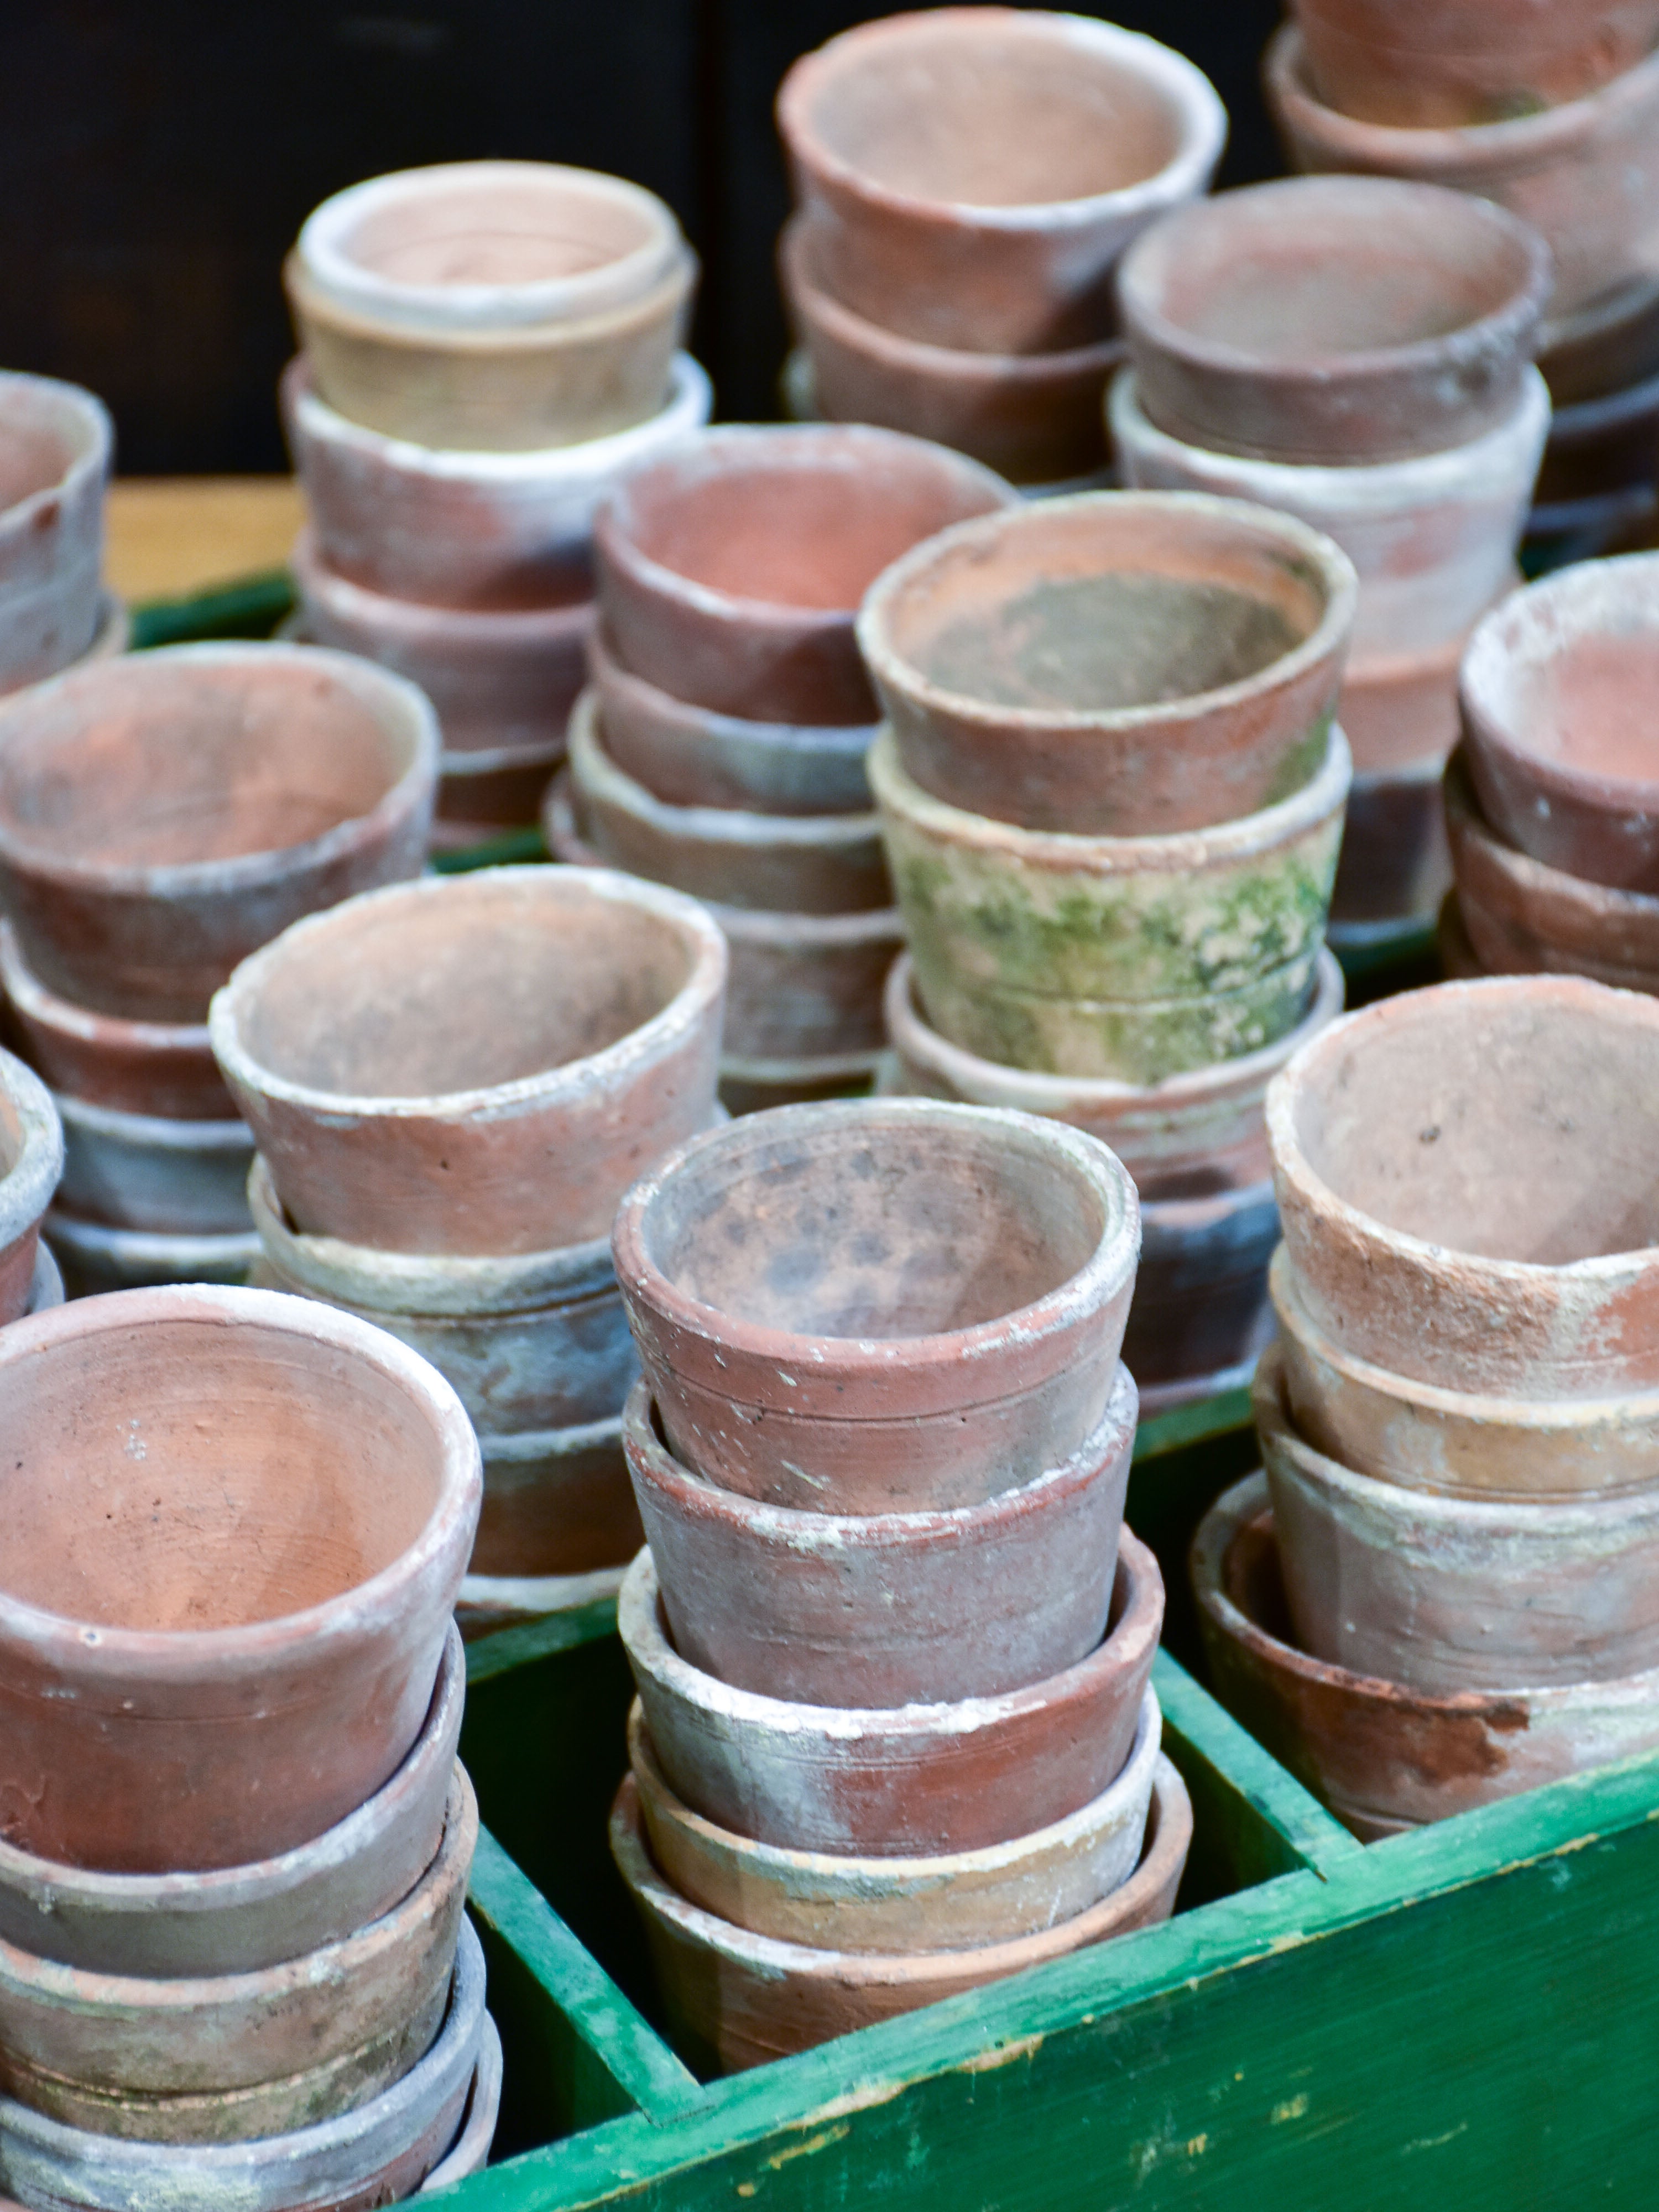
pixel 153 1132
pixel 607 671
pixel 1591 905
pixel 574 1079
pixel 151 1247
pixel 1190 102
pixel 111 1032
pixel 95 447
pixel 1311 549
pixel 413 622
pixel 26 1187
pixel 1080 1158
pixel 112 1655
pixel 399 706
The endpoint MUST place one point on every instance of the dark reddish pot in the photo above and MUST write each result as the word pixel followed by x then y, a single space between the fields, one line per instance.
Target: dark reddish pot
pixel 1201 1305
pixel 486 793
pixel 31 1168
pixel 164 813
pixel 886 1608
pixel 1605 347
pixel 55 442
pixel 1333 319
pixel 730 571
pixel 1599 449
pixel 871 1306
pixel 556 1503
pixel 1394 865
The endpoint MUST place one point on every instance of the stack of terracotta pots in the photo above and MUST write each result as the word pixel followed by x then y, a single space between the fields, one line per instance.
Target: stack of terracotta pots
pixel 965 180
pixel 451 1083
pixel 1446 1589
pixel 1356 352
pixel 234 1965
pixel 160 815
pixel 487 346
pixel 1112 794
pixel 1550 108
pixel 56 447
pixel 721 749
pixel 894 1737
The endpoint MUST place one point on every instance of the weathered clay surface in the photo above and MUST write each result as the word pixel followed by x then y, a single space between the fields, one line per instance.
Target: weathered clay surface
pixel 737 2000
pixel 470 2152
pixel 138 1171
pixel 95 1258
pixel 557 1505
pixel 1113 663
pixel 47 1284
pixel 976 172
pixel 1603 348
pixel 880 1307
pixel 55 449
pixel 234 1528
pixel 1200 1303
pixel 163 813
pixel 1398 710
pixel 730 571
pixel 475 1064
pixel 31 1167
pixel 918 1780
pixel 886 1608
pixel 1134 959
pixel 1395 863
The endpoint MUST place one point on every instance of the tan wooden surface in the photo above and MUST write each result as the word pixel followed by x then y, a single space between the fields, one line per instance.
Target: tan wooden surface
pixel 171 536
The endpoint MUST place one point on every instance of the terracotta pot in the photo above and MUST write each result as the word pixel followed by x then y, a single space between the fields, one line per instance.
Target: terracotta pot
pixel 557 1505
pixel 1033 417
pixel 1433 539
pixel 1134 959
pixel 31 1166
pixel 476 1065
pixel 1456 955
pixel 1453 1593
pixel 1399 710
pixel 899 1905
pixel 485 793
pixel 977 171
pixel 1585 175
pixel 691 757
pixel 757 1086
pixel 736 2000
pixel 47 1284
pixel 113 636
pixel 1201 1303
pixel 919 1779
pixel 872 1308
pixel 1395 863
pixel 498 677
pixel 314 1660
pixel 730 571
pixel 1334 319
pixel 163 814
pixel 95 1258
pixel 55 442
pixel 496 531
pixel 373 2157
pixel 470 2152
pixel 886 1608
pixel 137 1172
pixel 1600 453
pixel 490 1602
pixel 1112 665
pixel 1602 347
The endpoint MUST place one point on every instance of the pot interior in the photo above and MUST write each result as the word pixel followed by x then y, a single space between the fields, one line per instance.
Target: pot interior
pixel 461 987
pixel 33 457
pixel 524 230
pixel 1252 1579
pixel 861 1225
pixel 184 1474
pixel 1567 673
pixel 1514 1120
pixel 151 761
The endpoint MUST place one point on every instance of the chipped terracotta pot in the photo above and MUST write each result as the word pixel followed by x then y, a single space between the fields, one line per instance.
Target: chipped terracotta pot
pixel 1200 1304
pixel 95 1258
pixel 882 1307
pixel 1380 1755
pixel 1333 319
pixel 736 2000
pixel 1047 142
pixel 730 570
pixel 1410 1249
pixel 917 1779
pixel 1133 959
pixel 886 1608
pixel 476 1065
pixel 1395 863
pixel 373 2157
pixel 689 756
pixel 1112 664
pixel 470 2152
pixel 1433 539
pixel 485 530
pixel 164 813
pixel 896 1905
pixel 308 1629
pixel 55 445
pixel 31 1168
pixel 137 1172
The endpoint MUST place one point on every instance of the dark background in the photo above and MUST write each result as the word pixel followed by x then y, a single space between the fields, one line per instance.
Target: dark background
pixel 156 161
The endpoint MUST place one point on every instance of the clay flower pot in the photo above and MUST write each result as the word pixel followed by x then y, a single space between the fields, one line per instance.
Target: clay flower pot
pixel 872 1308
pixel 375 2155
pixel 1400 1137
pixel 138 1171
pixel 1334 319
pixel 898 1906
pixel 917 1779
pixel 558 1506
pixel 1204 1128
pixel 494 531
pixel 247 1659
pixel 489 1604
pixel 689 756
pixel 55 442
pixel 1398 710
pixel 736 2000
pixel 476 1065
pixel 479 794
pixel 976 172
pixel 163 814
pixel 886 1608
pixel 470 2152
pixel 1112 665
pixel 1598 467
pixel 1134 959
pixel 1444 1593
pixel 1201 1313
pixel 95 1257
pixel 31 1167
pixel 1395 863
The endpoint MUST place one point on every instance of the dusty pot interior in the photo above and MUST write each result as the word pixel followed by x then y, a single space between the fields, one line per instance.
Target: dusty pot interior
pixel 45 428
